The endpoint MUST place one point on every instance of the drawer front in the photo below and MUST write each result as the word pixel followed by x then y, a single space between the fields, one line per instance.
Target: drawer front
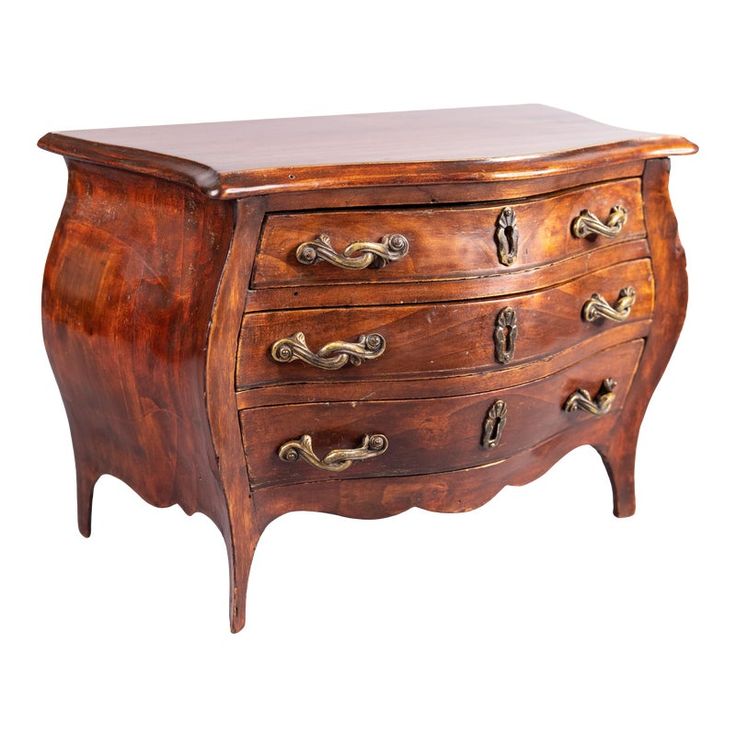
pixel 443 242
pixel 437 339
pixel 415 437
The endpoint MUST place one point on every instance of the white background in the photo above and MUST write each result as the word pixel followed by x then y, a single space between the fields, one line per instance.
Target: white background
pixel 539 613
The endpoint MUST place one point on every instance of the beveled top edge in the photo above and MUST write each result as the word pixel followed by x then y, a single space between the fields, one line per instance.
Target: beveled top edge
pixel 463 145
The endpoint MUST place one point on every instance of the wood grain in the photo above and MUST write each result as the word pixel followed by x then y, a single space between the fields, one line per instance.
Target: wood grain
pixel 393 194
pixel 237 159
pixel 427 436
pixel 158 328
pixel 417 292
pixel 436 339
pixel 445 242
pixel 127 294
pixel 450 492
pixel 618 449
pixel 243 527
pixel 439 386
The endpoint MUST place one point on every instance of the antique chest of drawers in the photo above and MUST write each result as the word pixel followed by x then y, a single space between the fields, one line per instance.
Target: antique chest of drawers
pixel 358 314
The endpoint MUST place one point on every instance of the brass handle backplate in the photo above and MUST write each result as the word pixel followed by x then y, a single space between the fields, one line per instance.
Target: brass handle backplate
pixel 598 406
pixel 335 461
pixel 505 332
pixel 357 255
pixel 586 223
pixel 597 307
pixel 333 355
pixel 507 236
pixel 494 423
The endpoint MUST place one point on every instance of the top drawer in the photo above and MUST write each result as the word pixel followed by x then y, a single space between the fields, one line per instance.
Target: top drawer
pixel 420 244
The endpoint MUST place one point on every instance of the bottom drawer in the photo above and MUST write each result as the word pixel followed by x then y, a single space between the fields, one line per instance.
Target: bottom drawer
pixel 414 437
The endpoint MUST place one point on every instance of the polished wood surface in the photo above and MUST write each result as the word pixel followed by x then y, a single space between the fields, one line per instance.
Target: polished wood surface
pixel 430 435
pixel 442 337
pixel 618 449
pixel 439 386
pixel 450 492
pixel 235 159
pixel 128 289
pixel 444 243
pixel 512 281
pixel 395 194
pixel 162 298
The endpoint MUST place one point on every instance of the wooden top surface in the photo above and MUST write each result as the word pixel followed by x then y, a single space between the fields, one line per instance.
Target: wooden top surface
pixel 475 144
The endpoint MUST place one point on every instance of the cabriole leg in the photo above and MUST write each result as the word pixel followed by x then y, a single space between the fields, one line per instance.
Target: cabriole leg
pixel 86 479
pixel 240 549
pixel 619 457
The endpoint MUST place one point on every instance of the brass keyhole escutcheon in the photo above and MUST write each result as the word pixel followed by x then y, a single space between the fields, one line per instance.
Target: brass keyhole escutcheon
pixel 505 333
pixel 507 236
pixel 494 424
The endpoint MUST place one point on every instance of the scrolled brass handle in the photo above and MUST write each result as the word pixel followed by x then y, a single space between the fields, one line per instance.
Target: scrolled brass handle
pixel 586 223
pixel 598 406
pixel 333 355
pixel 357 255
pixel 597 307
pixel 372 445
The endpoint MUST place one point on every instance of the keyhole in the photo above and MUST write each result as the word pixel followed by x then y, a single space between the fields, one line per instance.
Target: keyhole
pixel 507 339
pixel 505 334
pixel 493 439
pixel 494 424
pixel 509 233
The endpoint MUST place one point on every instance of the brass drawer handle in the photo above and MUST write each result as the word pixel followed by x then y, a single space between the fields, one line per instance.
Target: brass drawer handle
pixel 357 255
pixel 602 404
pixel 505 332
pixel 586 223
pixel 332 356
pixel 336 461
pixel 597 307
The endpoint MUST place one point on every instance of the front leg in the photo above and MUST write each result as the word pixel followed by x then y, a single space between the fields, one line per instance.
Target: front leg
pixel 619 456
pixel 241 547
pixel 670 277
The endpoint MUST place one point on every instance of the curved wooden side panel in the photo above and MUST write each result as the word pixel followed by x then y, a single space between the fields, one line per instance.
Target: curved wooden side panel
pixel 670 302
pixel 127 295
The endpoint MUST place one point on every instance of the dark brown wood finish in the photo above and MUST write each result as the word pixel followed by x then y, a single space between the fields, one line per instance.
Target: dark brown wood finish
pixel 512 282
pixel 237 159
pixel 441 337
pixel 439 386
pixel 618 450
pixel 454 491
pixel 152 323
pixel 127 295
pixel 444 243
pixel 396 194
pixel 222 410
pixel 428 435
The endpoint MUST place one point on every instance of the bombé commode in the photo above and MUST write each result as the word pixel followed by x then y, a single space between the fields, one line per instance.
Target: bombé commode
pixel 358 314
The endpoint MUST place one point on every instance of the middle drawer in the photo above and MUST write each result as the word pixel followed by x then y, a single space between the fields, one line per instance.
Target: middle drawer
pixel 433 339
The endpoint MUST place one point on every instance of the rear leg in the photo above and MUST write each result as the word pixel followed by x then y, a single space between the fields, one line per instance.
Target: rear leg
pixel 86 479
